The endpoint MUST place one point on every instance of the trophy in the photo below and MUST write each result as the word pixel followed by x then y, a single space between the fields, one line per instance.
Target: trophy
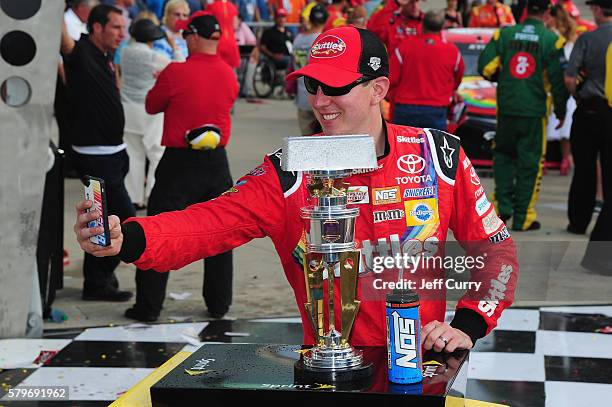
pixel 330 250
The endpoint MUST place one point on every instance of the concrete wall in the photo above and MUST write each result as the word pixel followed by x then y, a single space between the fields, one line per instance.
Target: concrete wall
pixel 24 136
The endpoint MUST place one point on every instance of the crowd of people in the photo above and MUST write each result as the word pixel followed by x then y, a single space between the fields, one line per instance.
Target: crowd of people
pixel 142 115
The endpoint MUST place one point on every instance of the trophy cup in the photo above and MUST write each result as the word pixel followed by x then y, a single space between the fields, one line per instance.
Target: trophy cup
pixel 330 244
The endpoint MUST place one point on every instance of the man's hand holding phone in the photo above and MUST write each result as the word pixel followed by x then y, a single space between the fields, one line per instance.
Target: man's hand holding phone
pixel 84 232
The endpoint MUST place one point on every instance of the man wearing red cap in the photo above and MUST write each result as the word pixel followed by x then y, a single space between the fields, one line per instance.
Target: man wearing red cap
pixel 196 97
pixel 423 177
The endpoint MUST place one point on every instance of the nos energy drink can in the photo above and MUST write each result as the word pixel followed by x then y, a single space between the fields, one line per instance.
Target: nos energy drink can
pixel 403 337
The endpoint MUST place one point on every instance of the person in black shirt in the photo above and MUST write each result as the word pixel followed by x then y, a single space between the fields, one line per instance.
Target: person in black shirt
pixel 276 41
pixel 97 134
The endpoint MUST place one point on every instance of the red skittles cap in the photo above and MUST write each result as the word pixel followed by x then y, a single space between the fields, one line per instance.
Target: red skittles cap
pixel 342 55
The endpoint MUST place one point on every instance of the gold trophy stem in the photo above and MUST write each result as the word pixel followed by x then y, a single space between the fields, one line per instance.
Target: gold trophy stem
pixel 320 322
pixel 330 293
pixel 349 269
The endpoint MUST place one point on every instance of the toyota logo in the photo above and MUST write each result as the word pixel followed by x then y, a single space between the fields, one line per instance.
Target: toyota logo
pixel 411 164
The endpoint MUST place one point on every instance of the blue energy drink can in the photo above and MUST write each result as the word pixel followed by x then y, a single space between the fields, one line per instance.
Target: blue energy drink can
pixel 403 337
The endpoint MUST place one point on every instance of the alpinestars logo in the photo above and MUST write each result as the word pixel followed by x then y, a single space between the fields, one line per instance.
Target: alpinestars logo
pixel 447 151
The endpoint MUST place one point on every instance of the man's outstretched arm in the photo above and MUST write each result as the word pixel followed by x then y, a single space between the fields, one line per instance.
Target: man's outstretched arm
pixel 174 239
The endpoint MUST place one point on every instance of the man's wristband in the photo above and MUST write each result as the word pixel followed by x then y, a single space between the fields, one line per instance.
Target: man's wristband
pixel 470 322
pixel 134 242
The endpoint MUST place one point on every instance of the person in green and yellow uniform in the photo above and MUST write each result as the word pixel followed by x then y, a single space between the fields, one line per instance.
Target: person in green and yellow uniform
pixel 527 61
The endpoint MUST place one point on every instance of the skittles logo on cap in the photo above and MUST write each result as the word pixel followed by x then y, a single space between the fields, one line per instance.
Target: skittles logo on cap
pixel 329 46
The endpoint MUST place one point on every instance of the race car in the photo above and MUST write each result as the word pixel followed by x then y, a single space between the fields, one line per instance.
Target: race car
pixel 475 124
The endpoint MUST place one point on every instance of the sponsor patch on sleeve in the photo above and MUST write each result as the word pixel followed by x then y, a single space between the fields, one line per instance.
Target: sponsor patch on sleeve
pixel 500 236
pixel 491 222
pixel 482 205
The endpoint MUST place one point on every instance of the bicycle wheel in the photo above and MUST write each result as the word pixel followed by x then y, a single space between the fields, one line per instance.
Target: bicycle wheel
pixel 263 80
pixel 241 74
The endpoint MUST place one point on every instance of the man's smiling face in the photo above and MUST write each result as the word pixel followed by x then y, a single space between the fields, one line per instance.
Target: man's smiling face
pixel 346 114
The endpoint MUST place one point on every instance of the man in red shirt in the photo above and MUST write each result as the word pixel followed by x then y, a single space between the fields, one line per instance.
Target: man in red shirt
pixel 196 97
pixel 425 71
pixel 404 22
pixel 423 176
pixel 227 14
pixel 337 14
pixel 377 22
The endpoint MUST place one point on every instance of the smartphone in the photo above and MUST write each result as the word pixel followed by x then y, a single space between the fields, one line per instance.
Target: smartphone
pixel 96 192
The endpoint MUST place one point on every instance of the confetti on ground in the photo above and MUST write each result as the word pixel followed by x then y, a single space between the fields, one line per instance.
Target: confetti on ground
pixel 44 357
pixel 605 330
pixel 196 372
pixel 179 296
pixel 237 334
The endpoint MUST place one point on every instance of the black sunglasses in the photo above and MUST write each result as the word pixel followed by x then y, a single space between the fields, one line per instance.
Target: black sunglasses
pixel 186 33
pixel 312 85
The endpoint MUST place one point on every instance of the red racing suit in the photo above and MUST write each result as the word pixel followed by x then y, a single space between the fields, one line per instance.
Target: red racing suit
pixel 423 186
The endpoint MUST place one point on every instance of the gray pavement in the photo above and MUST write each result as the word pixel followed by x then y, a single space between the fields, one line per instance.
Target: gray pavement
pixel 260 287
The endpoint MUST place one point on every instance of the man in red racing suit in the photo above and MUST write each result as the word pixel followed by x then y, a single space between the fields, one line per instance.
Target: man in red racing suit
pixel 424 185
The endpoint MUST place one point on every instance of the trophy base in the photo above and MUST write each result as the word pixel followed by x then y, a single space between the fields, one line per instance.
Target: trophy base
pixel 266 375
pixel 359 376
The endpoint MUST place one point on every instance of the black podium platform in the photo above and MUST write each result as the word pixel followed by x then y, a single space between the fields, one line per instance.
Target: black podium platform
pixel 227 374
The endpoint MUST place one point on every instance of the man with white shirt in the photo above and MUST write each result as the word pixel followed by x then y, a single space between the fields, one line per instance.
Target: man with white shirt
pixel 76 16
pixel 97 130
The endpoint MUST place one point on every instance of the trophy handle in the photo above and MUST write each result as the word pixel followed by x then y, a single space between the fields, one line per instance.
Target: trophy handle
pixel 349 269
pixel 313 274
